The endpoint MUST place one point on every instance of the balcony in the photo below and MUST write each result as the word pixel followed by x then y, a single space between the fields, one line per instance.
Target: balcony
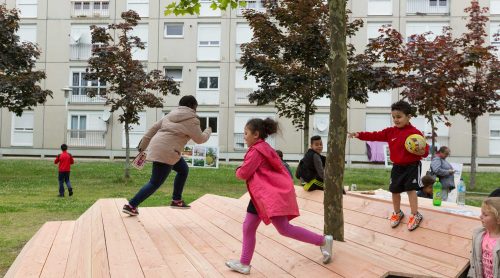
pixel 423 7
pixel 89 9
pixel 240 145
pixel 256 5
pixel 86 138
pixel 80 51
pixel 79 95
pixel 241 95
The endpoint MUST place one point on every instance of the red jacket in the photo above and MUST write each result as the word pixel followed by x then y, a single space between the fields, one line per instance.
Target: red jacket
pixel 65 160
pixel 268 182
pixel 396 138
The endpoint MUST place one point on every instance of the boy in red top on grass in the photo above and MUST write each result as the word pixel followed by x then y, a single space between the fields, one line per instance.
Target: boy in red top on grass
pixel 65 160
pixel 406 170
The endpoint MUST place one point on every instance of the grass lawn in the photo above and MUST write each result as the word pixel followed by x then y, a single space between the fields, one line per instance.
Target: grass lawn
pixel 29 189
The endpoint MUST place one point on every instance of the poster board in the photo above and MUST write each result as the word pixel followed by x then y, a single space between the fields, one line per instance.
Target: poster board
pixel 458 167
pixel 387 157
pixel 201 156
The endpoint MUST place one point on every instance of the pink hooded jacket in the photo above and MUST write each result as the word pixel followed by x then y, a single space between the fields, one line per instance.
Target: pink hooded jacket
pixel 268 183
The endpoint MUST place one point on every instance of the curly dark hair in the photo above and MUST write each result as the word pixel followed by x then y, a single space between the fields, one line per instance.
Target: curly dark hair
pixel 264 127
pixel 404 107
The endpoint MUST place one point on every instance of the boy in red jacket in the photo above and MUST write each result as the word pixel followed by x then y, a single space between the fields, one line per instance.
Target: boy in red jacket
pixel 65 160
pixel 406 170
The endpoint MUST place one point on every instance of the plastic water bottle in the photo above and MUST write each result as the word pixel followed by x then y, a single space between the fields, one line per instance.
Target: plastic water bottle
pixel 461 193
pixel 437 190
pixel 354 187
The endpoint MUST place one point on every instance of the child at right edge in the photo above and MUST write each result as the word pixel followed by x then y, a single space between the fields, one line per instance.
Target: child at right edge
pixel 405 173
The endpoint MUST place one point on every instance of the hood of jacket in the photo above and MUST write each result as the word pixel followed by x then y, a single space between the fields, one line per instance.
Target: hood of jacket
pixel 181 114
pixel 268 153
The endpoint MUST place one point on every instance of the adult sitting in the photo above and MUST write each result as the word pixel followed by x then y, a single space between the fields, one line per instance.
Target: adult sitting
pixel 164 142
pixel 443 170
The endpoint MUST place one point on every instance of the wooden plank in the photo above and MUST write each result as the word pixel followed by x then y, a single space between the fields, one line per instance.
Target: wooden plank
pixel 228 246
pixel 289 260
pixel 443 222
pixel 56 261
pixel 100 264
pixel 80 256
pixel 34 255
pixel 149 257
pixel 14 267
pixel 379 262
pixel 171 253
pixel 192 254
pixel 122 258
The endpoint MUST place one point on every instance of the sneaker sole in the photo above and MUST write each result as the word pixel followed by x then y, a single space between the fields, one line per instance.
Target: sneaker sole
pixel 129 213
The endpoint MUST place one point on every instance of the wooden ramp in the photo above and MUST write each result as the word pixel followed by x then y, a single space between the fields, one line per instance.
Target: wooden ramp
pixel 166 242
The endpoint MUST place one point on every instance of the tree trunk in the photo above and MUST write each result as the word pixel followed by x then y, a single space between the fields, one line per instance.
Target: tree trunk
pixel 127 152
pixel 472 181
pixel 306 128
pixel 337 133
pixel 433 138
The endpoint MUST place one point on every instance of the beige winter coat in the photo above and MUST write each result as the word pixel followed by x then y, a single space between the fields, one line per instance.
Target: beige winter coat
pixel 166 139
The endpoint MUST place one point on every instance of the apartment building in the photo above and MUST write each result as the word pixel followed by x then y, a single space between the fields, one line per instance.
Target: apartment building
pixel 202 53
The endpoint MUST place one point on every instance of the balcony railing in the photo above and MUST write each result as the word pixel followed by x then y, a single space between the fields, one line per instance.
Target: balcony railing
pixel 241 95
pixel 80 51
pixel 256 5
pixel 90 8
pixel 428 7
pixel 79 95
pixel 240 145
pixel 86 138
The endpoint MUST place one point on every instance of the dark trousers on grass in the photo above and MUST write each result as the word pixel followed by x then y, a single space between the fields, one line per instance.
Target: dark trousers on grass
pixel 64 178
pixel 159 174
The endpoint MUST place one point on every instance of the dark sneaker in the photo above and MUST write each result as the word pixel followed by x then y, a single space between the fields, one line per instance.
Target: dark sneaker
pixel 414 221
pixel 396 218
pixel 235 265
pixel 71 192
pixel 130 210
pixel 179 204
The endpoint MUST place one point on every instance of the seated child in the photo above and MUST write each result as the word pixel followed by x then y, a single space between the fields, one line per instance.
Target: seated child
pixel 311 168
pixel 426 191
pixel 280 154
pixel 484 258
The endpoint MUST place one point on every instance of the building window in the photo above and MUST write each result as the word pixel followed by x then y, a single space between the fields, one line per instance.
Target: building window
pixel 256 5
pixel 27 8
pixel 320 127
pixel 427 6
pixel 377 122
pixel 80 86
pixel 422 27
pixel 495 7
pixel 240 121
pixel 243 35
pixel 136 132
pixel 442 131
pixel 174 30
pixel 380 99
pixel 209 42
pixel 207 91
pixel 141 31
pixel 139 6
pixel 90 9
pixel 244 86
pixel 495 29
pixel 372 29
pixel 86 129
pixel 494 134
pixel 27 33
pixel 206 10
pixel 209 121
pixel 81 42
pixel 22 129
pixel 174 72
pixel 379 7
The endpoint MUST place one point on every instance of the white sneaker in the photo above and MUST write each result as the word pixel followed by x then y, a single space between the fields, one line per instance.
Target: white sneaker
pixel 326 249
pixel 238 267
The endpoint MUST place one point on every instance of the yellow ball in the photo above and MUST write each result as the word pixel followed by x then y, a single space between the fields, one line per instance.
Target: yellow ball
pixel 415 143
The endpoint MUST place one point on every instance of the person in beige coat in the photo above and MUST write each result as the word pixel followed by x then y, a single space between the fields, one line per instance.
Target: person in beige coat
pixel 164 143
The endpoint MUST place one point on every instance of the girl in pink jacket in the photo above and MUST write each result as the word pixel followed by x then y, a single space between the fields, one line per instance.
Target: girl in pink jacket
pixel 272 195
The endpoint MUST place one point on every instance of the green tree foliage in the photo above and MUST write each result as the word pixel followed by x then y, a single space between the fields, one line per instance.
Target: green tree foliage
pixel 289 57
pixel 130 87
pixel 19 80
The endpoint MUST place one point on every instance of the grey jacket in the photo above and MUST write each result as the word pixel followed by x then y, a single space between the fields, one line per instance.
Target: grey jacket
pixel 476 266
pixel 166 139
pixel 440 167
